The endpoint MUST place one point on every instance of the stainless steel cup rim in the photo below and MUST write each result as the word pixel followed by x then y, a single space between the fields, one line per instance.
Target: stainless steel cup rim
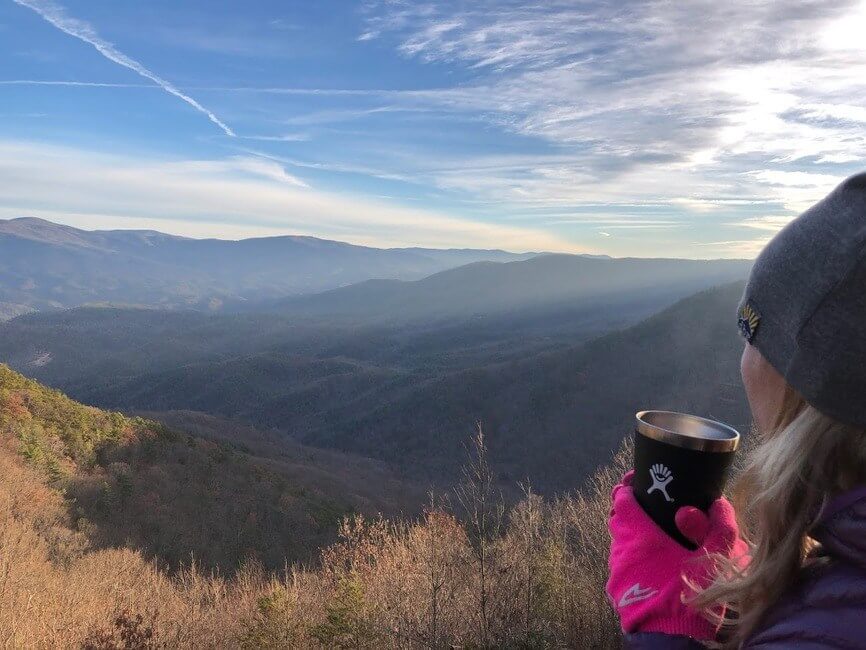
pixel 687 431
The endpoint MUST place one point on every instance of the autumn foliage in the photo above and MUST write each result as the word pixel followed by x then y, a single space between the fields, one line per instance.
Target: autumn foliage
pixel 468 572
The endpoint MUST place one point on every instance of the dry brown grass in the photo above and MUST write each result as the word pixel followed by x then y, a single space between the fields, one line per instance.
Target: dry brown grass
pixel 407 584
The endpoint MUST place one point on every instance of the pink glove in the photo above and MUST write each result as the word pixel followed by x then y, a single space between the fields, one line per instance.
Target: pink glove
pixel 649 569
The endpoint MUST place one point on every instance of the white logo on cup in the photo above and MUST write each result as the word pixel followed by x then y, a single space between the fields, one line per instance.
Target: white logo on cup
pixel 661 477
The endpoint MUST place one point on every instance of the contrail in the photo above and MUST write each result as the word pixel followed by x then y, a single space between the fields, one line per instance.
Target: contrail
pixel 86 84
pixel 81 30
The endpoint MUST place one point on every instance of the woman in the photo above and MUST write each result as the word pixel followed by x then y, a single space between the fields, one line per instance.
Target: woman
pixel 793 573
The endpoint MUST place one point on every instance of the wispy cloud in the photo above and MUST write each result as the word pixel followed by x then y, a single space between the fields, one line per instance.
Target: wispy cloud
pixel 242 38
pixel 244 195
pixel 286 137
pixel 771 223
pixel 684 122
pixel 745 248
pixel 334 167
pixel 257 167
pixel 85 84
pixel 654 100
pixel 57 16
pixel 284 24
pixel 346 115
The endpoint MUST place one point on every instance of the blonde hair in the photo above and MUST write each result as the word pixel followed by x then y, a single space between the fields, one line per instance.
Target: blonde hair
pixel 807 459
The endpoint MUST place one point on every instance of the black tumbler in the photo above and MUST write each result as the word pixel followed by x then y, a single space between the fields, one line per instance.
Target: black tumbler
pixel 680 460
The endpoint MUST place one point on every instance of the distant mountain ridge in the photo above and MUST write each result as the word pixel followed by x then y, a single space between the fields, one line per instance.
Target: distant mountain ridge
pixel 542 282
pixel 44 265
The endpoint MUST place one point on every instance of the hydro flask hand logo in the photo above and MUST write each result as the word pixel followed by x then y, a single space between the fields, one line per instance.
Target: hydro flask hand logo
pixel 661 477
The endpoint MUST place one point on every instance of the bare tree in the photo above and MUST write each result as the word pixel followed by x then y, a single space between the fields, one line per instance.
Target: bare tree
pixel 437 574
pixel 484 509
pixel 527 520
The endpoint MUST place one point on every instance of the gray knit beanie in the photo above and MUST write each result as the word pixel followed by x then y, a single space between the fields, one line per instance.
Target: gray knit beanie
pixel 804 307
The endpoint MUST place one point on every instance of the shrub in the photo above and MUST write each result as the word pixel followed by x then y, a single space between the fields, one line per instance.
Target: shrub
pixel 125 632
pixel 274 623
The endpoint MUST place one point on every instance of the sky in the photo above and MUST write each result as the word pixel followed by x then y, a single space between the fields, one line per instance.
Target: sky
pixel 630 128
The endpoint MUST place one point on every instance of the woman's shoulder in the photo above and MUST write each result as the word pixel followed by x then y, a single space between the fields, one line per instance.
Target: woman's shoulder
pixel 827 609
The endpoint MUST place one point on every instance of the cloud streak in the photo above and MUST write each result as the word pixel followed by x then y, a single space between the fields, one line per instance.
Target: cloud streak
pixel 722 114
pixel 244 195
pixel 57 16
pixel 83 84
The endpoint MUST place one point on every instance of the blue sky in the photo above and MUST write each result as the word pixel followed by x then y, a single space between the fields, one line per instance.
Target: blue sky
pixel 651 128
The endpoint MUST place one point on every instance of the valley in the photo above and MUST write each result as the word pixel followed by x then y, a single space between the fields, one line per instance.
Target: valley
pixel 552 355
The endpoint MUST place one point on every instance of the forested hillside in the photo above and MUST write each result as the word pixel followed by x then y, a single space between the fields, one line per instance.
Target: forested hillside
pixel 74 548
pixel 551 417
pixel 219 498
pixel 554 402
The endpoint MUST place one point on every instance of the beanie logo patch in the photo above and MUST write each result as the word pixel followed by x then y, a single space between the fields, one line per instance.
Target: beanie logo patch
pixel 748 322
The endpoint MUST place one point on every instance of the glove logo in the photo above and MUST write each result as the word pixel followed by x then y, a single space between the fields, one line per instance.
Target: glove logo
pixel 661 477
pixel 635 594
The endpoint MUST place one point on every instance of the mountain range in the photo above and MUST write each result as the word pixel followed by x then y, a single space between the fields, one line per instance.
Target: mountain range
pixel 554 406
pixel 44 265
pixel 552 353
pixel 541 285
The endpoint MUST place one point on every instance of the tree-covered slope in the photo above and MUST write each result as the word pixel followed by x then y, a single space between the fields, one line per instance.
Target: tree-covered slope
pixel 222 498
pixel 555 416
pixel 555 396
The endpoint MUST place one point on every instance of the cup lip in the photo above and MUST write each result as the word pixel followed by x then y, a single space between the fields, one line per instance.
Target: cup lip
pixel 685 440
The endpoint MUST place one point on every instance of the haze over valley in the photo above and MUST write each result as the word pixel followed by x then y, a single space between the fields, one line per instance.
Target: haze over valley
pixel 395 369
